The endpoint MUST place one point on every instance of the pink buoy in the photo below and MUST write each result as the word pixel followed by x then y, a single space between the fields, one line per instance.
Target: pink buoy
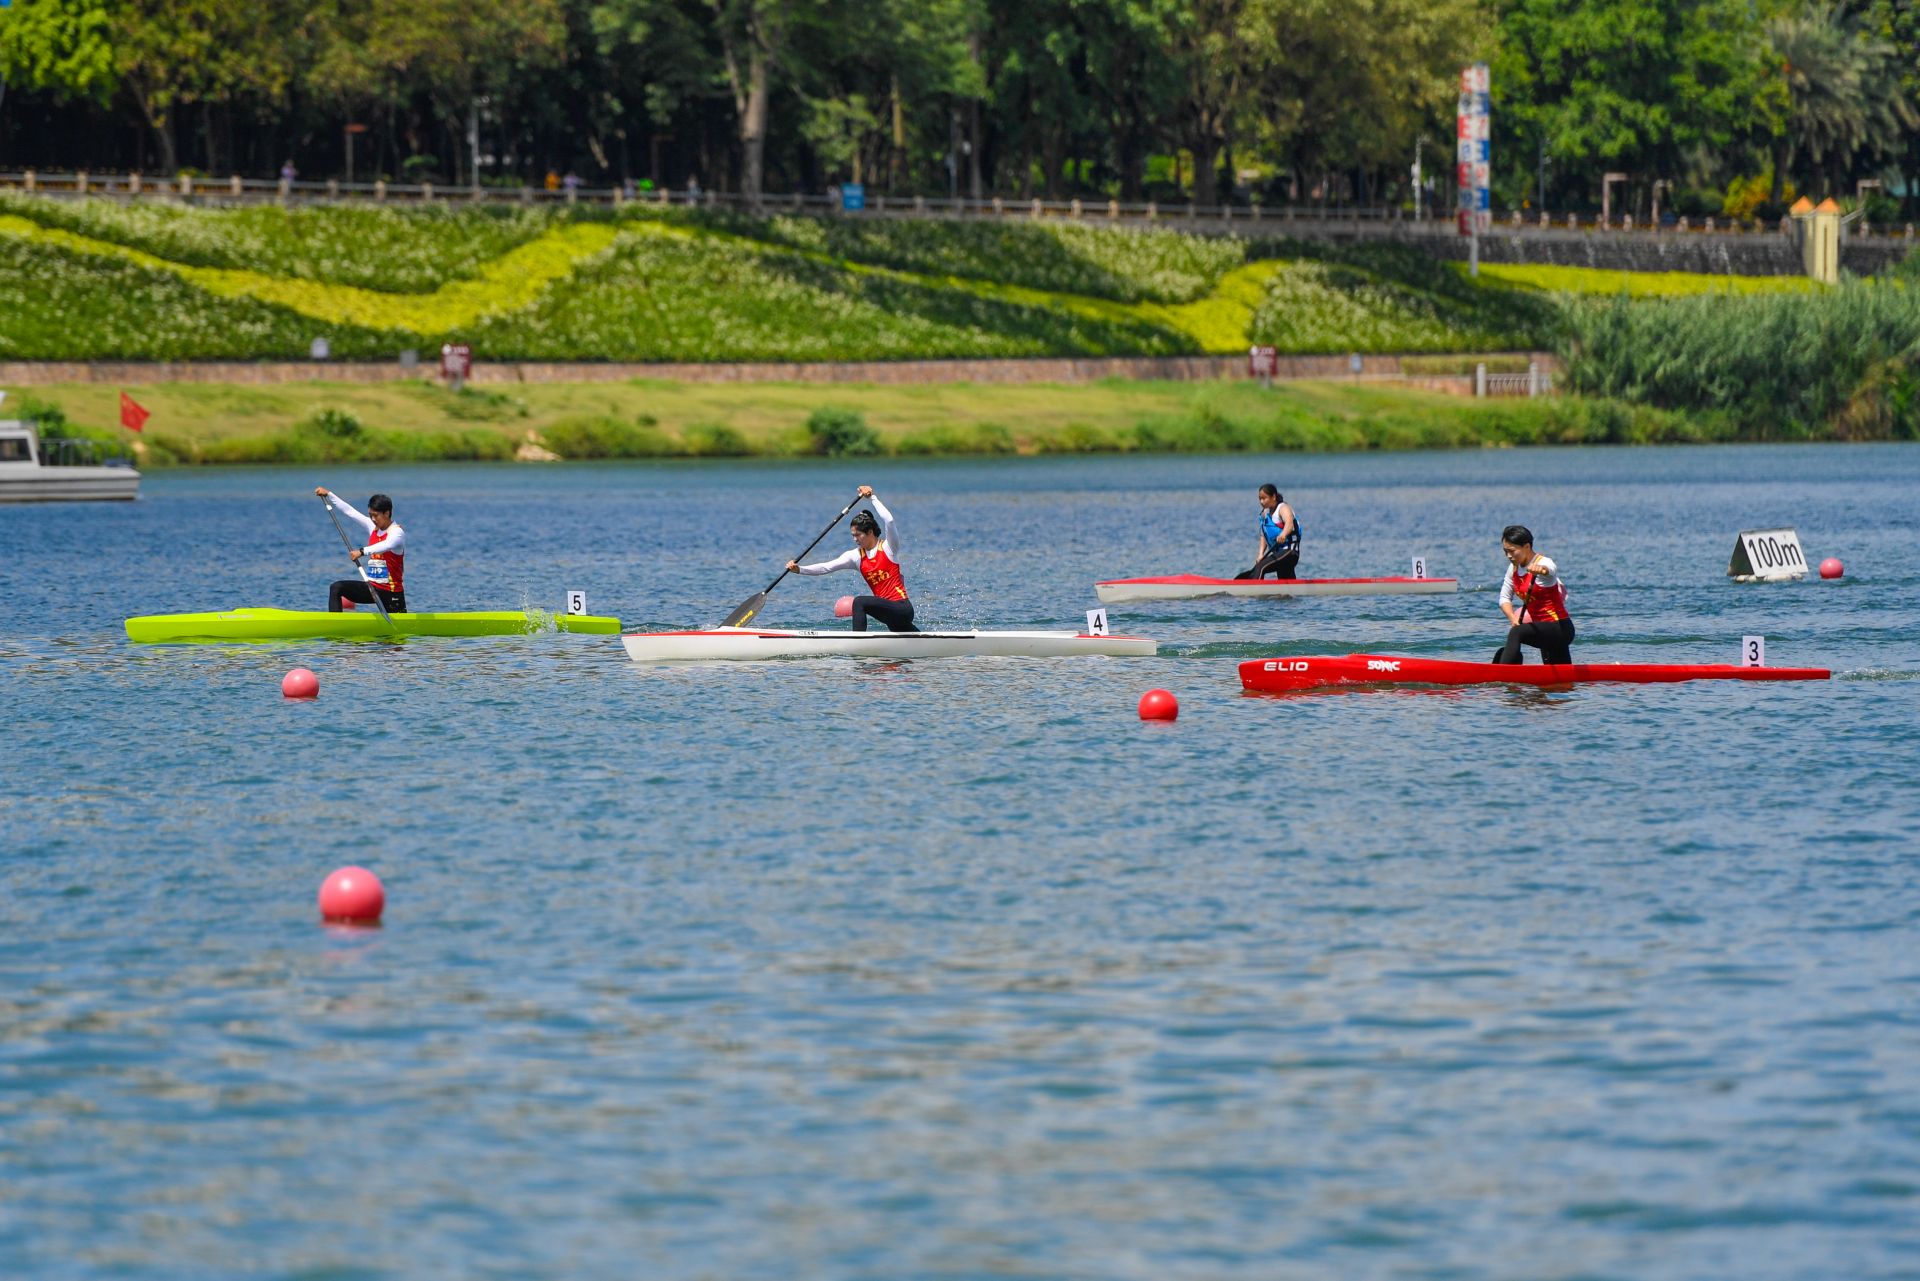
pixel 843 608
pixel 1832 568
pixel 1159 705
pixel 300 683
pixel 353 895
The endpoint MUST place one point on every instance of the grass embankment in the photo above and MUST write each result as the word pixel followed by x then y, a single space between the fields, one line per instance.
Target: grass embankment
pixel 84 280
pixel 201 423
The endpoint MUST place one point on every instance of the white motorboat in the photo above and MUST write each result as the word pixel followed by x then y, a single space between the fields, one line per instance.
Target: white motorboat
pixel 54 471
pixel 1194 586
pixel 753 643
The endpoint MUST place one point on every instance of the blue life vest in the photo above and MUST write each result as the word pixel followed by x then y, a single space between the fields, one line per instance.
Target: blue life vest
pixel 1270 527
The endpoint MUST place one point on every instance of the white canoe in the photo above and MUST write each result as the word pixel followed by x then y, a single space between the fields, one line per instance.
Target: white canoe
pixel 752 643
pixel 1194 586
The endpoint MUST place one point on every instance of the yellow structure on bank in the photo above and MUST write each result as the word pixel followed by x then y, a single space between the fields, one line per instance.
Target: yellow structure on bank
pixel 1818 229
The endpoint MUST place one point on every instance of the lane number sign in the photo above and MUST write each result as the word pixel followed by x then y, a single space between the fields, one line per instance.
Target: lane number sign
pixel 1419 566
pixel 1753 651
pixel 576 602
pixel 1767 556
pixel 1097 622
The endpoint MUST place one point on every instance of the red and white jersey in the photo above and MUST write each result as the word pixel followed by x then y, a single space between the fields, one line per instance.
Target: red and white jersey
pixel 880 567
pixel 385 555
pixel 882 573
pixel 1543 591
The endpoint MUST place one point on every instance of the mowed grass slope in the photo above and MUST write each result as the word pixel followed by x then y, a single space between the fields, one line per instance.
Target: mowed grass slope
pixel 322 422
pixel 95 279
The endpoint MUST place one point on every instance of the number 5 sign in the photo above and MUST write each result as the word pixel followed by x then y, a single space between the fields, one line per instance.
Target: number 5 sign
pixel 576 602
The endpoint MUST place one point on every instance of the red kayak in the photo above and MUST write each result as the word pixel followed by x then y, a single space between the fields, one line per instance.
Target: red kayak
pixel 1280 675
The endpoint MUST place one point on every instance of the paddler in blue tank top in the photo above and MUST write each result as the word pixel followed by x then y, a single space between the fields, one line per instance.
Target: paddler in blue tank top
pixel 1279 550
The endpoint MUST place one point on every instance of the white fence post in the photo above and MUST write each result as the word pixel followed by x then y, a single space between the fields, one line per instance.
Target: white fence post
pixel 1480 379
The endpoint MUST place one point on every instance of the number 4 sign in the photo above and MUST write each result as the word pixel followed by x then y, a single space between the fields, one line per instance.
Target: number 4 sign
pixel 1753 651
pixel 1097 622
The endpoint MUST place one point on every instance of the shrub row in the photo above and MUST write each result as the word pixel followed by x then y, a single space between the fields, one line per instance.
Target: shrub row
pixel 1838 361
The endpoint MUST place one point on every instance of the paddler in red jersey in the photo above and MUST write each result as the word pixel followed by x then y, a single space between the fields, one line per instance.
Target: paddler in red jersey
pixel 876 554
pixel 1534 600
pixel 384 557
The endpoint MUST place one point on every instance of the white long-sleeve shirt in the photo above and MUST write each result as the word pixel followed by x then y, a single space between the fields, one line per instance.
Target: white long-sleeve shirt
pixel 394 544
pixel 1548 575
pixel 850 558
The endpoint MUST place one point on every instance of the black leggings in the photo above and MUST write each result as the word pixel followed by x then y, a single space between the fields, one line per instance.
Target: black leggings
pixel 1280 565
pixel 1551 639
pixel 362 594
pixel 896 614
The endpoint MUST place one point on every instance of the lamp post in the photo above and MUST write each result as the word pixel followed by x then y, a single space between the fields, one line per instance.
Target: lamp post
pixel 1606 197
pixel 351 130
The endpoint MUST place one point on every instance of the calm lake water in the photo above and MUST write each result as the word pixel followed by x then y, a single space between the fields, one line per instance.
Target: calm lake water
pixel 956 969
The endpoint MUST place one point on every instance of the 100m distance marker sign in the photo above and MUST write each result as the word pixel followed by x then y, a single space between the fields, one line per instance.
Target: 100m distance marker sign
pixel 1767 556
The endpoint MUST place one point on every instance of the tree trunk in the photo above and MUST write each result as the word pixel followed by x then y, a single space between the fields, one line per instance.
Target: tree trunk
pixel 160 122
pixel 1206 159
pixel 975 186
pixel 897 162
pixel 753 127
pixel 1053 158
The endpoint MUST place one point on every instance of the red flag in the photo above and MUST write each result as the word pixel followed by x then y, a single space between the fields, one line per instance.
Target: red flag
pixel 132 416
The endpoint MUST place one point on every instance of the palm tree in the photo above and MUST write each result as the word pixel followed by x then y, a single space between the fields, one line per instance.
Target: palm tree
pixel 1844 96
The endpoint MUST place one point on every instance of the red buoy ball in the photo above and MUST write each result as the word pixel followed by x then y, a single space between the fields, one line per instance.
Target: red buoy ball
pixel 1832 568
pixel 843 608
pixel 300 683
pixel 353 895
pixel 1159 705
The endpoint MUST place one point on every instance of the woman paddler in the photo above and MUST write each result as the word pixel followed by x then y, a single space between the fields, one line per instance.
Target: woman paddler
pixel 384 558
pixel 876 554
pixel 1534 600
pixel 1279 549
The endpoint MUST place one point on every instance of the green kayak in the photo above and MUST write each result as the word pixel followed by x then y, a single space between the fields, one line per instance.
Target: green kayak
pixel 361 624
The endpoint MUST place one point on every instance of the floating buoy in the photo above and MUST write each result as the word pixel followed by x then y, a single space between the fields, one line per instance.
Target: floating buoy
pixel 300 683
pixel 1832 568
pixel 353 895
pixel 1159 705
pixel 843 608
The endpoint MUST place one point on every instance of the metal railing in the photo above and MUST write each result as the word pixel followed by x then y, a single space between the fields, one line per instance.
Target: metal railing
pixel 1537 381
pixel 1247 219
pixel 64 451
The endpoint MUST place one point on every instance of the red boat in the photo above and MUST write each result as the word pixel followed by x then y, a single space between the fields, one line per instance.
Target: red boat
pixel 1281 675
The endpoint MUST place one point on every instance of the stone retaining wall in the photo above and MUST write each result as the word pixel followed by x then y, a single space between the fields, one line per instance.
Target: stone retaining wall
pixel 1713 253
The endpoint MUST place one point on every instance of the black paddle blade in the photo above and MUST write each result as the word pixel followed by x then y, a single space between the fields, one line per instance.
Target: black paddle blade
pixel 745 610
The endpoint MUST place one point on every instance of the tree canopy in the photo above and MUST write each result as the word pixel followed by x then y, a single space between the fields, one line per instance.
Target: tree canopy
pixel 1204 100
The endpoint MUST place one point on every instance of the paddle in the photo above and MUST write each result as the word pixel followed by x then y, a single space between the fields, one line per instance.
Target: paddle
pixel 327 502
pixel 753 604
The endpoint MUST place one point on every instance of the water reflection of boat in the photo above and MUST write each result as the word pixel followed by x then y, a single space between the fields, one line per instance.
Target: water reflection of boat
pixel 33 470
